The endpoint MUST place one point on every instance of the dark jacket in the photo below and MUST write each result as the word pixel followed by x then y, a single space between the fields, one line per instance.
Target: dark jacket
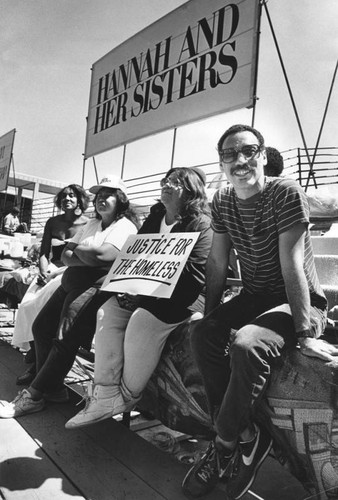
pixel 192 279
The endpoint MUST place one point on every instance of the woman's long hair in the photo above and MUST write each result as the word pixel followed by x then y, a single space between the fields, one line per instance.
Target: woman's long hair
pixel 81 194
pixel 123 208
pixel 195 197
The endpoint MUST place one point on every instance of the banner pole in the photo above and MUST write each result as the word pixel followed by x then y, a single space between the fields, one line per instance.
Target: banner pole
pixel 97 178
pixel 173 148
pixel 321 127
pixel 255 98
pixel 289 88
pixel 14 178
pixel 123 160
pixel 83 169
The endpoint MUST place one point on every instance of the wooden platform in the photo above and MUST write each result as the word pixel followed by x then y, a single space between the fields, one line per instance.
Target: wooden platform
pixel 41 460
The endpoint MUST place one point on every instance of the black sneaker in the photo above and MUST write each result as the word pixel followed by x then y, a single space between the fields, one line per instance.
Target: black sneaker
pixel 204 475
pixel 27 377
pixel 252 455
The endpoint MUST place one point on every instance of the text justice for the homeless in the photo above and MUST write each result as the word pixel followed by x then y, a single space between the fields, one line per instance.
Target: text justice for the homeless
pixel 154 268
pixel 154 79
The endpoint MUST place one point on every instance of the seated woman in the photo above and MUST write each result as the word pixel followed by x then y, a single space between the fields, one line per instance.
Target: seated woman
pixel 89 255
pixel 14 284
pixel 128 345
pixel 73 201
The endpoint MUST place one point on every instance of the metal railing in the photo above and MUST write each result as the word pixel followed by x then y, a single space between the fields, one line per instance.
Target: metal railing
pixel 145 190
pixel 325 167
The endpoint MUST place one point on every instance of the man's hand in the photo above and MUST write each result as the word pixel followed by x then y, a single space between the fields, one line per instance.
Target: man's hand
pixel 317 348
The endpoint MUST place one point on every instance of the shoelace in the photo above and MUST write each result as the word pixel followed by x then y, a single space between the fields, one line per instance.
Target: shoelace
pixel 233 466
pixel 19 401
pixel 88 399
pixel 18 397
pixel 207 470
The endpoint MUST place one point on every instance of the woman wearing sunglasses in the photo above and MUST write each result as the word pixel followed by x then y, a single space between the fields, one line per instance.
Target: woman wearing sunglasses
pixel 128 344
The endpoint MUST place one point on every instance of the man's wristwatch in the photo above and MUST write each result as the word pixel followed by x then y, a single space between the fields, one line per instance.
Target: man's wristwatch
pixel 303 334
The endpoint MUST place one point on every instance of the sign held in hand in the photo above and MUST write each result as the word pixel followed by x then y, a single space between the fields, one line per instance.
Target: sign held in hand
pixel 150 264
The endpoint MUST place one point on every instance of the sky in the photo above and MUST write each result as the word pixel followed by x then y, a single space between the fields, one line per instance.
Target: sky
pixel 49 46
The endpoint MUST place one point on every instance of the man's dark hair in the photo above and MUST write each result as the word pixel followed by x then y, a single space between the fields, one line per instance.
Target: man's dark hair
pixel 275 162
pixel 240 128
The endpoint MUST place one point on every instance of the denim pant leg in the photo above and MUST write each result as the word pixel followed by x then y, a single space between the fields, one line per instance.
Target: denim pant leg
pixel 210 341
pixel 79 320
pixel 252 354
pixel 62 350
pixel 45 326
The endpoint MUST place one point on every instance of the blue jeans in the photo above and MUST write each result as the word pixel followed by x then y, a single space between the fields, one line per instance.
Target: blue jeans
pixel 66 322
pixel 235 347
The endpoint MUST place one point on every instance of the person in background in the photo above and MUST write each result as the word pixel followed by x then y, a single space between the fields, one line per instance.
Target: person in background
pixel 275 163
pixel 281 305
pixel 14 284
pixel 11 221
pixel 130 334
pixel 73 201
pixel 88 257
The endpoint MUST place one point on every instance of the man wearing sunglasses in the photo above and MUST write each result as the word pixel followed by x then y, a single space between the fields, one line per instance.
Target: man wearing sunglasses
pixel 281 305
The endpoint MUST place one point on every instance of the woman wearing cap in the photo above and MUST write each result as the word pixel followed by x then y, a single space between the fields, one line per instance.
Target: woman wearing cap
pixel 88 257
pixel 128 345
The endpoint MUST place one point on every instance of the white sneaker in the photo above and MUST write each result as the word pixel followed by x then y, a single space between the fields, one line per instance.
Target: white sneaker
pixel 101 402
pixel 23 404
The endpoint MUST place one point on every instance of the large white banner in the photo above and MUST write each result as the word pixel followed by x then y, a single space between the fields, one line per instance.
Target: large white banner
pixel 6 149
pixel 197 61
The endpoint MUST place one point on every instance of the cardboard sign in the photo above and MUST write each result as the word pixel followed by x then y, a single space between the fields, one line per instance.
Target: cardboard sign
pixel 150 264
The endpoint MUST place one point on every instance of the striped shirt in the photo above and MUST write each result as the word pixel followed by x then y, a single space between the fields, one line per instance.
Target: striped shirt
pixel 254 226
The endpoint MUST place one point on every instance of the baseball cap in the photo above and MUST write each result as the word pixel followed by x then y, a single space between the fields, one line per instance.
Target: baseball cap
pixel 112 182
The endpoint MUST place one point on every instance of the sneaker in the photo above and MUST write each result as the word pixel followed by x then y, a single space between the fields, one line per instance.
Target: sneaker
pixel 61 396
pixel 252 455
pixel 101 402
pixel 203 476
pixel 27 377
pixel 23 404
